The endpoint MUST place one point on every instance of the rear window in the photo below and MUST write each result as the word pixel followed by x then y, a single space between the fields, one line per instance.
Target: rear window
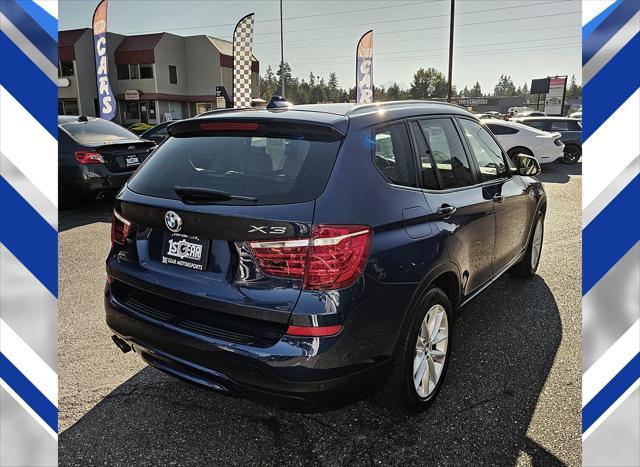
pixel 276 166
pixel 97 131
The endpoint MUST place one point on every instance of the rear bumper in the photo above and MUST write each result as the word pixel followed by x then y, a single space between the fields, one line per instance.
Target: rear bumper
pixel 302 373
pixel 96 181
pixel 550 153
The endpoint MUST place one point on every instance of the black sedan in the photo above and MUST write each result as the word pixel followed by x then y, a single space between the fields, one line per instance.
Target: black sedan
pixel 158 134
pixel 95 158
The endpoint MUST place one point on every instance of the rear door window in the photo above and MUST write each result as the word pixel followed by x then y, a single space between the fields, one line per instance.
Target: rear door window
pixel 539 124
pixel 393 156
pixel 560 125
pixel 427 166
pixel 275 164
pixel 447 152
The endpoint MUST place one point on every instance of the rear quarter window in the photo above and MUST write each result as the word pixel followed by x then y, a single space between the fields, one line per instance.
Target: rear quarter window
pixel 276 167
pixel 501 129
pixel 393 156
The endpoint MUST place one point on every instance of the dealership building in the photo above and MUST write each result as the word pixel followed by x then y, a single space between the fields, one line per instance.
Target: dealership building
pixel 153 76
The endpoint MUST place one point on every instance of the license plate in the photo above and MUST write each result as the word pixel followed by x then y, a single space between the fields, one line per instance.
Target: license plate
pixel 186 251
pixel 132 160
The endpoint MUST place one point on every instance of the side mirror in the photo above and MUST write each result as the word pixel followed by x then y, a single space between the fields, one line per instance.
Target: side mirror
pixel 526 165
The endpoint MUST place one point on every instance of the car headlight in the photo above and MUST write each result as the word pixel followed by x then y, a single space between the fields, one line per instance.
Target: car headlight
pixel 558 142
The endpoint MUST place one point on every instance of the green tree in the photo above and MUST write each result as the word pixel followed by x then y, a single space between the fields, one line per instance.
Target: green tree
pixel 505 87
pixel 476 90
pixel 574 90
pixel 394 92
pixel 428 83
pixel 268 84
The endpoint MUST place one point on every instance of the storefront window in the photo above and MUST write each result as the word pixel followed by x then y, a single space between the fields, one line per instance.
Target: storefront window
pixel 134 71
pixel 66 68
pixel 146 71
pixel 123 71
pixel 203 107
pixel 132 110
pixel 152 110
pixel 68 107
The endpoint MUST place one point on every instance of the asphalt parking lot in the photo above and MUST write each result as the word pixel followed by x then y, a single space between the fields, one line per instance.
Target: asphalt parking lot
pixel 512 395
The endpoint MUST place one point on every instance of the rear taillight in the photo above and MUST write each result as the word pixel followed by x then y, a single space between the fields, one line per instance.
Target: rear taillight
pixel 333 258
pixel 558 142
pixel 120 228
pixel 89 157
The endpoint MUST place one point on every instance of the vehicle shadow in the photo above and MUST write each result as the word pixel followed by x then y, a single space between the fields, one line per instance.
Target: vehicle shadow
pixel 504 345
pixel 559 173
pixel 85 213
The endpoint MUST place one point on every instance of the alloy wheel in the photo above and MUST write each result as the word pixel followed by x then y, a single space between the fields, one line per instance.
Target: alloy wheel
pixel 431 351
pixel 536 246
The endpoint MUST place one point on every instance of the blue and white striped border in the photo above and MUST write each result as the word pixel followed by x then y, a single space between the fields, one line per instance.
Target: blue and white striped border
pixel 611 232
pixel 611 199
pixel 28 254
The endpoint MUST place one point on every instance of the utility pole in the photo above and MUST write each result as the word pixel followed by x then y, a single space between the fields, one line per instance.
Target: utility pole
pixel 281 51
pixel 450 86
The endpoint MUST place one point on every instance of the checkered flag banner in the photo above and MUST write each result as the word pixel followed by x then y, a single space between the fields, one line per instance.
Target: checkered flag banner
pixel 242 56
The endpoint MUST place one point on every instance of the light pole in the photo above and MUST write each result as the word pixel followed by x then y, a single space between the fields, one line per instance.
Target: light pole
pixel 281 51
pixel 450 86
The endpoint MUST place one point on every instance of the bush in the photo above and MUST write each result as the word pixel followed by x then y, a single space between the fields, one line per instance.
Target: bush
pixel 139 128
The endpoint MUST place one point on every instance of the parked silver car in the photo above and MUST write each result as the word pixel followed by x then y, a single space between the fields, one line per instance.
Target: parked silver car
pixel 569 128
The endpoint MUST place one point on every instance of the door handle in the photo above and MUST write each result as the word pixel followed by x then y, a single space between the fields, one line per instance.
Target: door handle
pixel 498 198
pixel 445 211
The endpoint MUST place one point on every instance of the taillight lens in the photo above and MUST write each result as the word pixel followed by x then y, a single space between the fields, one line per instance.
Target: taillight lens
pixel 333 258
pixel 120 228
pixel 89 157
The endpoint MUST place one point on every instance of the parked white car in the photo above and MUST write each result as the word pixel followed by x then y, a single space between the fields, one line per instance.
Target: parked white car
pixel 517 138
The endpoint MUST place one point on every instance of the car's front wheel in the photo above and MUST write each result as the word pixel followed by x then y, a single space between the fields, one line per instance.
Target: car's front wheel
pixel 513 152
pixel 422 357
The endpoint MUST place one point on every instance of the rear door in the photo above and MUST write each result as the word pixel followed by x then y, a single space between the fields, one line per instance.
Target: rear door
pixel 569 129
pixel 463 210
pixel 216 210
pixel 512 204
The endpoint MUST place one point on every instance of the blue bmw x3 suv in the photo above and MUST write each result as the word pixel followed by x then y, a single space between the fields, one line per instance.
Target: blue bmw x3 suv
pixel 317 254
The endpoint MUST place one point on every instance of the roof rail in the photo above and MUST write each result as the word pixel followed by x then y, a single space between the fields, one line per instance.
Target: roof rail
pixel 360 107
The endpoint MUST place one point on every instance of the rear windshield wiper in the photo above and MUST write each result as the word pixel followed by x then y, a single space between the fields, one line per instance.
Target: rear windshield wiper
pixel 203 195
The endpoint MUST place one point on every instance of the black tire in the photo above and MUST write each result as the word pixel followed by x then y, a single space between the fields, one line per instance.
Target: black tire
pixel 525 268
pixel 513 152
pixel 399 393
pixel 572 154
pixel 65 200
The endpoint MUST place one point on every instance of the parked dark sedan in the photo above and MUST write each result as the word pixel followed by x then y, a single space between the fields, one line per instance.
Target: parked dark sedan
pixel 158 134
pixel 95 157
pixel 569 128
pixel 317 254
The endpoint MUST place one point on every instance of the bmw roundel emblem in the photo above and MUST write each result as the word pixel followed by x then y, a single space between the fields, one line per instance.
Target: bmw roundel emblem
pixel 173 221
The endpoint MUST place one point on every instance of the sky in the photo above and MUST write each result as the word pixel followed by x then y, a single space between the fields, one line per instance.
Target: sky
pixel 522 38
